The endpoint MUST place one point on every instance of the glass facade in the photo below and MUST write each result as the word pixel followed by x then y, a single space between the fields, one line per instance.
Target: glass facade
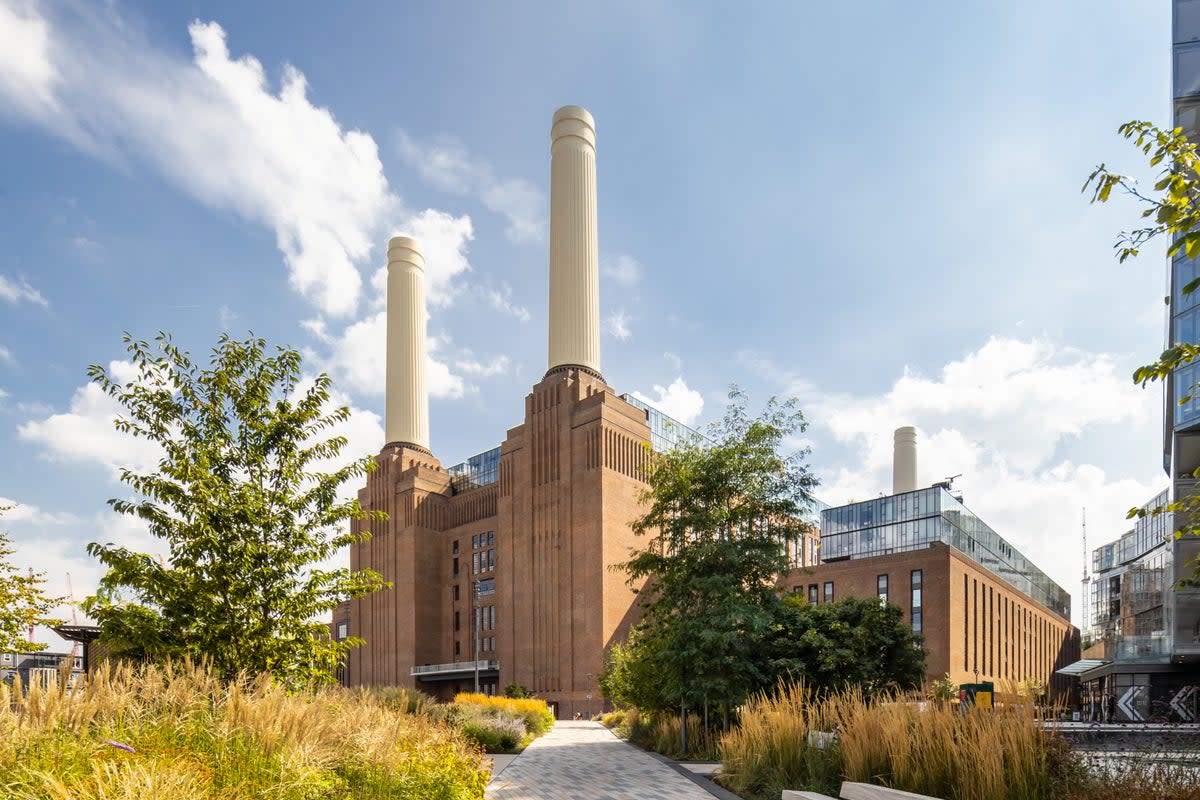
pixel 666 433
pixel 478 470
pixel 1134 604
pixel 914 520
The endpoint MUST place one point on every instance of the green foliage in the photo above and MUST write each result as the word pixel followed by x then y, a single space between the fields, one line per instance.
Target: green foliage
pixel 516 691
pixel 23 602
pixel 241 503
pixel 633 670
pixel 718 516
pixel 1173 212
pixel 853 642
pixel 942 690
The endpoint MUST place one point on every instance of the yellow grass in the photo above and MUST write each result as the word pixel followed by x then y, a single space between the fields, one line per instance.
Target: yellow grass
pixel 197 737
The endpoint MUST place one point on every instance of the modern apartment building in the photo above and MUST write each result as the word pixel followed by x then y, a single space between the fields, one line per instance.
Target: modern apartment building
pixel 1143 646
pixel 1143 649
pixel 986 612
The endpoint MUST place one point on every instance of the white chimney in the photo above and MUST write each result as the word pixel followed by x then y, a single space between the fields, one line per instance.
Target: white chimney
pixel 407 404
pixel 904 460
pixel 574 248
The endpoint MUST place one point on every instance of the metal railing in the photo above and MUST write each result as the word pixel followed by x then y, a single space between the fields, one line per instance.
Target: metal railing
pixel 455 666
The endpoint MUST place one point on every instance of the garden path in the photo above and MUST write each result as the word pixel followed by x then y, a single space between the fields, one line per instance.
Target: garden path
pixel 584 761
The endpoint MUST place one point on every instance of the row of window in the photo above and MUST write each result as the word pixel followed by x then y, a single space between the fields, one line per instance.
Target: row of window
pixel 483 540
pixel 484 561
pixel 815 592
pixel 485 618
pixel 487 644
pixel 1002 638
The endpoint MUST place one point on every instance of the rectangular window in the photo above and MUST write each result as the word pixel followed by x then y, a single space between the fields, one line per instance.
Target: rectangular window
pixel 491 538
pixel 881 588
pixel 485 587
pixel 966 624
pixel 343 631
pixel 474 563
pixel 814 593
pixel 915 600
pixel 457 621
pixel 491 560
pixel 456 592
pixel 454 547
pixel 458 648
pixel 474 542
pixel 828 591
pixel 455 568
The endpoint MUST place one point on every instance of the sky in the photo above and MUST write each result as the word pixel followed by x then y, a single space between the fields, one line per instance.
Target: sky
pixel 872 207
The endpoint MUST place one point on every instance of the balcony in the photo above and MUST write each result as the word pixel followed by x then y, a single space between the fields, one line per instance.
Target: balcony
pixel 456 670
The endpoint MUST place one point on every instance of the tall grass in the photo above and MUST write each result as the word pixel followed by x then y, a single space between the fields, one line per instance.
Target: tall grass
pixel 1003 754
pixel 196 737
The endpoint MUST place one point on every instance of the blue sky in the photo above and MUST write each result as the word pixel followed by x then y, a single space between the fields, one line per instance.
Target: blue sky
pixel 874 207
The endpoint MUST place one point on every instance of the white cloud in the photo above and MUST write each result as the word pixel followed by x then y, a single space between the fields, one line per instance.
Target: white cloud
pixel 212 126
pixel 1000 418
pixel 6 355
pixel 27 77
pixel 85 433
pixel 16 291
pixel 621 269
pixel 501 300
pixel 25 513
pixel 357 358
pixel 676 401
pixel 1024 395
pixel 616 325
pixel 449 167
pixel 497 366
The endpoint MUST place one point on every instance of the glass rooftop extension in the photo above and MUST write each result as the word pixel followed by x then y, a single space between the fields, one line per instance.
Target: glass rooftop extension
pixel 666 433
pixel 913 520
pixel 478 470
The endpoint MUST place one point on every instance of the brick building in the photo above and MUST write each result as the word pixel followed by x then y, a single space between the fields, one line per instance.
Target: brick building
pixel 502 565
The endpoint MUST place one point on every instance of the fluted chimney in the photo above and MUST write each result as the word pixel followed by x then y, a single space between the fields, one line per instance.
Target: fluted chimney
pixel 574 249
pixel 406 419
pixel 904 460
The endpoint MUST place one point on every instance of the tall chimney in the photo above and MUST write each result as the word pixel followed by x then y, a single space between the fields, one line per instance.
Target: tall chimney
pixel 407 404
pixel 574 249
pixel 904 460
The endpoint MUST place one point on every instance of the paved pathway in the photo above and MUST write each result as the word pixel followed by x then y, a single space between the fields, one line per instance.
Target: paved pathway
pixel 584 761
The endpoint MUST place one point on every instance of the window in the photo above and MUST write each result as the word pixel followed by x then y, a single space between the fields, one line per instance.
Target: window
pixel 474 542
pixel 456 592
pixel 813 593
pixel 474 563
pixel 455 568
pixel 881 588
pixel 485 587
pixel 458 648
pixel 828 591
pixel 491 538
pixel 457 621
pixel 454 547
pixel 915 600
pixel 343 631
pixel 6 658
pixel 79 661
pixel 491 560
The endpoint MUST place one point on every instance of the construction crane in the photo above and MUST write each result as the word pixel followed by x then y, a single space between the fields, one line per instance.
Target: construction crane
pixel 1087 581
pixel 74 616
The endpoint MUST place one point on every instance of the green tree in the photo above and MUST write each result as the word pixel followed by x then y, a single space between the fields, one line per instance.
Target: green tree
pixel 242 506
pixel 23 602
pixel 1172 210
pixel 632 673
pixel 853 642
pixel 718 515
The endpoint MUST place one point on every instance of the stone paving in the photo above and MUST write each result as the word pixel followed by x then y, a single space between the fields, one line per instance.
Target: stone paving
pixel 584 761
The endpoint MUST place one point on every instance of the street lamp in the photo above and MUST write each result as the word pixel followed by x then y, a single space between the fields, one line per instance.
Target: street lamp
pixel 589 695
